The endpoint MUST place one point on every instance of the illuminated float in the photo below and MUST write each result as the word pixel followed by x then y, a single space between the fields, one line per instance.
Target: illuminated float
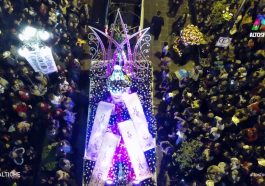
pixel 120 146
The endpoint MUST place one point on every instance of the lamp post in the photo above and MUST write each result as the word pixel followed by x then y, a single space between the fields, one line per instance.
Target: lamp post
pixel 35 51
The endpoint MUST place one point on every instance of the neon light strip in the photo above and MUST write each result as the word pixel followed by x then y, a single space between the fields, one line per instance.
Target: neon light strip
pixel 104 162
pixel 99 128
pixel 135 151
pixel 136 112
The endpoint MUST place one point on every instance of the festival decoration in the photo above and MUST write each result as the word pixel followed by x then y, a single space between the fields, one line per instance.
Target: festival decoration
pixel 121 77
pixel 118 81
pixel 136 153
pixel 131 59
pixel 191 35
pixel 100 125
pixel 35 51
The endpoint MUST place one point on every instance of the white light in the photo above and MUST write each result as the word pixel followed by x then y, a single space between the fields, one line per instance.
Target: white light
pixel 21 37
pixel 30 30
pixel 44 35
pixel 117 67
pixel 136 182
pixel 23 51
pixel 28 33
pixel 109 182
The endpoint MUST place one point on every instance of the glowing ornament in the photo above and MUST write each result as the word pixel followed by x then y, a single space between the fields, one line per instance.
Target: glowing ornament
pixel 28 33
pixel 118 82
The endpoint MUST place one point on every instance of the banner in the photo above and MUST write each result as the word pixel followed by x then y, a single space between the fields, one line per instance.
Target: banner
pixel 136 112
pixel 104 161
pixel 223 42
pixel 41 60
pixel 135 151
pixel 99 128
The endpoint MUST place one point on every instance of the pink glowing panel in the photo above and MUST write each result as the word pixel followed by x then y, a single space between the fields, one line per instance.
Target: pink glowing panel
pixel 137 115
pixel 98 130
pixel 104 161
pixel 135 151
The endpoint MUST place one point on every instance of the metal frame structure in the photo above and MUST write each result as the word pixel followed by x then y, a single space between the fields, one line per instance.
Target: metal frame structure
pixel 105 56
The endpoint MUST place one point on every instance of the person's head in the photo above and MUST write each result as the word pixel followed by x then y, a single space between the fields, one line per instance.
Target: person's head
pixel 158 13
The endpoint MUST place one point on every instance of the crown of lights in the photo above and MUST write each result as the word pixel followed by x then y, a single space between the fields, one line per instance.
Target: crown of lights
pixel 119 49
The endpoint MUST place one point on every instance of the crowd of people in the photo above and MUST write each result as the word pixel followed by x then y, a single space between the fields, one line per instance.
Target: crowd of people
pixel 37 113
pixel 211 119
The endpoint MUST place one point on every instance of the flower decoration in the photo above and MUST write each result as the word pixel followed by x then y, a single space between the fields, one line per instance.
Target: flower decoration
pixel 191 35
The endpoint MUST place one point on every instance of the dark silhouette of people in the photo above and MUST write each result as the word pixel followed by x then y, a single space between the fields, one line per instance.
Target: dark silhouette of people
pixel 156 25
pixel 178 24
pixel 174 8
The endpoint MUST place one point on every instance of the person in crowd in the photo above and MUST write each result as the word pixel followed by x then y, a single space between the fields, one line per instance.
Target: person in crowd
pixel 156 25
pixel 174 8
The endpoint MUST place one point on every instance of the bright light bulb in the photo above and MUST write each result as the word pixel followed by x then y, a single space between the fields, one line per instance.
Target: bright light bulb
pixel 29 32
pixel 21 37
pixel 23 51
pixel 44 35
